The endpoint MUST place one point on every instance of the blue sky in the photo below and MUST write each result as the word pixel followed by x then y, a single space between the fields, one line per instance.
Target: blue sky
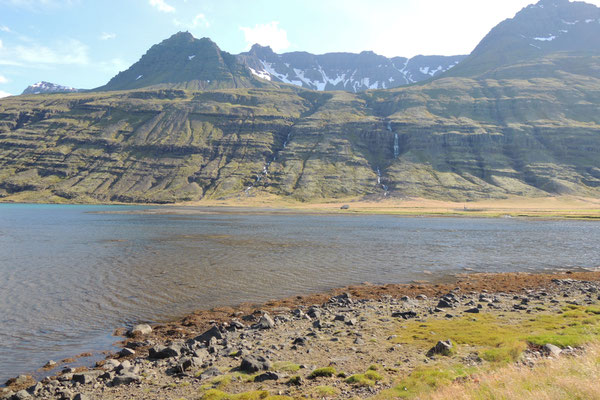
pixel 83 43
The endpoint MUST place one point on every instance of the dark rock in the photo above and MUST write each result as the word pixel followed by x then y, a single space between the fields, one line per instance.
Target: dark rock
pixel 126 379
pixel 345 207
pixel 340 317
pixel 188 363
pixel 442 347
pixel 473 310
pixel 213 332
pixel 160 352
pixel 300 341
pixel 125 352
pixel 267 376
pixel 317 324
pixel 351 322
pixel 236 325
pixel 65 394
pixel 254 364
pixel 444 304
pixel 87 377
pixel 35 389
pixel 80 396
pixel 404 314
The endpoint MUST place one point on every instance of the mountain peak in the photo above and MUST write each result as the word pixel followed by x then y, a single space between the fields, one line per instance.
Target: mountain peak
pixel 183 61
pixel 537 31
pixel 48 87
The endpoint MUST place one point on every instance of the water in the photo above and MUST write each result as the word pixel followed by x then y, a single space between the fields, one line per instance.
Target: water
pixel 69 275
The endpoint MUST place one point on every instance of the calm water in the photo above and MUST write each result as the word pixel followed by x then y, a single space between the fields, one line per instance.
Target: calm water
pixel 70 275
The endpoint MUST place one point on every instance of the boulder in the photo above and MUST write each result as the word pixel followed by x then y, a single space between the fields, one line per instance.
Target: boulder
pixel 551 350
pixel 87 377
pixel 160 352
pixel 444 304
pixel 267 376
pixel 213 332
pixel 404 314
pixel 188 363
pixel 125 352
pixel 473 310
pixel 126 379
pixel 443 348
pixel 253 364
pixel 265 322
pixel 140 330
pixel 21 395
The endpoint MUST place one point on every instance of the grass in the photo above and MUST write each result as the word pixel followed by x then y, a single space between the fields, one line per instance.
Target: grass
pixel 426 379
pixel 286 366
pixel 502 339
pixel 561 379
pixel 325 391
pixel 322 372
pixel 369 378
pixel 215 394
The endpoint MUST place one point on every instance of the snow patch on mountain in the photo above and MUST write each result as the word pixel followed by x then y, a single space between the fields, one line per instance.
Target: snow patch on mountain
pixel 48 87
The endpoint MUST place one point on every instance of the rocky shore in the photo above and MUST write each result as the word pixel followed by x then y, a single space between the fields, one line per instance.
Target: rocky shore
pixel 356 342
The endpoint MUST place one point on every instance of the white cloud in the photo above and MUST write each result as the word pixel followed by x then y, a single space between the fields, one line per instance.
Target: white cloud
pixel 161 5
pixel 266 35
pixel 199 21
pixel 69 52
pixel 107 36
pixel 3 79
pixel 4 94
pixel 4 28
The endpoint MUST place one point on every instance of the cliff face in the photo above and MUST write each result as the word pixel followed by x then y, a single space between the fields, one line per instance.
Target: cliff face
pixel 454 138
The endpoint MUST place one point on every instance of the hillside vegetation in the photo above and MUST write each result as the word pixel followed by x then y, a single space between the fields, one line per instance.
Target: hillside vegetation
pixel 457 138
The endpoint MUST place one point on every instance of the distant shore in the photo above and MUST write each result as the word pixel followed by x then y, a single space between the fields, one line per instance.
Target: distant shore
pixel 551 207
pixel 344 330
pixel 563 207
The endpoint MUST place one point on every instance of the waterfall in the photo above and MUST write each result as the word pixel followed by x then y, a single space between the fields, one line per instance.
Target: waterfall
pixel 384 187
pixel 265 171
pixel 396 146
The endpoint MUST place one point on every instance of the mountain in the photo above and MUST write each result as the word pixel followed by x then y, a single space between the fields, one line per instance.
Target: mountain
pixel 47 87
pixel 185 62
pixel 511 119
pixel 541 40
pixel 344 71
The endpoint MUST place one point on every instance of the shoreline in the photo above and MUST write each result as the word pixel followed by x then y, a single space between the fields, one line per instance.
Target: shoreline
pixel 195 323
pixel 550 207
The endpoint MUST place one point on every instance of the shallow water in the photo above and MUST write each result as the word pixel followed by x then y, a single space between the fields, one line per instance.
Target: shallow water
pixel 69 275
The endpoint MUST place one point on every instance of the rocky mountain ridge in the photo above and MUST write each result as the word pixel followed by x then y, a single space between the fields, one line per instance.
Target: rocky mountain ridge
pixel 48 87
pixel 344 71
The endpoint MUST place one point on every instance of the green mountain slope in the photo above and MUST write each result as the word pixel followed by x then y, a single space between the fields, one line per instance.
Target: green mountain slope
pixel 457 139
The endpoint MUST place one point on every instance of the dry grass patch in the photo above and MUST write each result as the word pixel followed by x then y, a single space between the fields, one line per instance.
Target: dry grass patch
pixel 563 379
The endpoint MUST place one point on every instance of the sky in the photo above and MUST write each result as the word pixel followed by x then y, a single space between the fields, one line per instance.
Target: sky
pixel 83 43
